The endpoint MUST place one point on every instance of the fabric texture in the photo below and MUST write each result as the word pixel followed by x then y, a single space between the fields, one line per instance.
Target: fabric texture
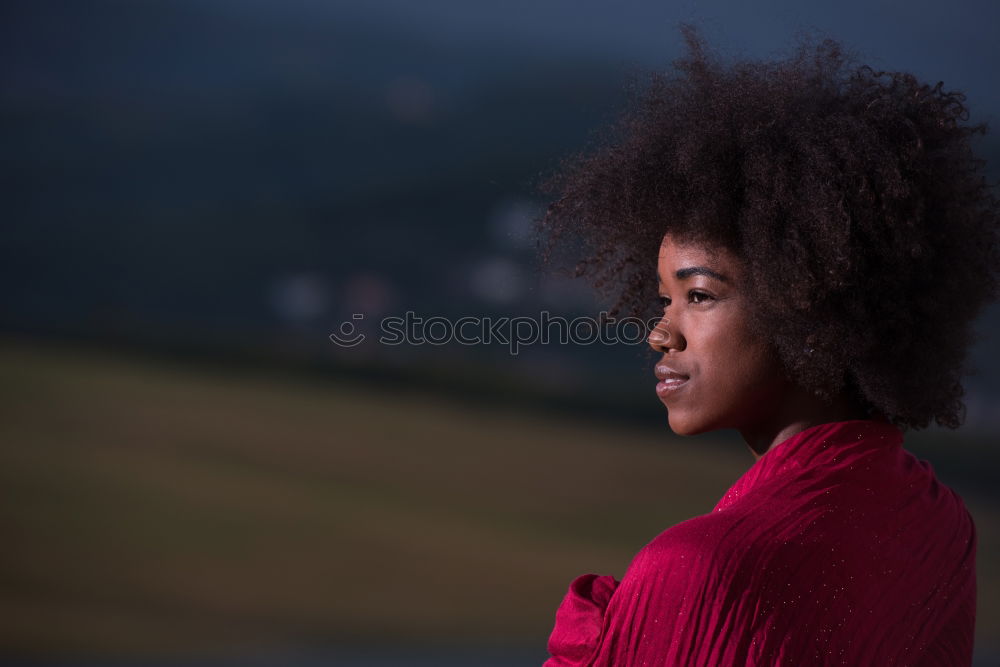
pixel 837 547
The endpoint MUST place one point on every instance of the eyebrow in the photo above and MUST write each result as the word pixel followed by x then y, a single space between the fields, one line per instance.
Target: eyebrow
pixel 685 273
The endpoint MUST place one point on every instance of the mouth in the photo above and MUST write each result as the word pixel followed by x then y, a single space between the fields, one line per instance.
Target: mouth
pixel 667 387
pixel 669 380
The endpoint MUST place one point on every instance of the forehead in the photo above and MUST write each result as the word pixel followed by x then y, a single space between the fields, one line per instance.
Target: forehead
pixel 677 256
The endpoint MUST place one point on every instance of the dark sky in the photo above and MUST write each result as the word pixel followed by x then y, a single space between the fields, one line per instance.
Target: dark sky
pixel 954 42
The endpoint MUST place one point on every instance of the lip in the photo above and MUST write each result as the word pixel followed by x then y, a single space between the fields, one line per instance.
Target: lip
pixel 665 388
pixel 665 373
pixel 670 380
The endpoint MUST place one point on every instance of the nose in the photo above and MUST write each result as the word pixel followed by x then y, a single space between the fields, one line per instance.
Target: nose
pixel 659 337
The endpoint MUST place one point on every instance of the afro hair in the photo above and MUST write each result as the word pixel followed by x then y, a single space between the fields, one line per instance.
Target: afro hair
pixel 852 196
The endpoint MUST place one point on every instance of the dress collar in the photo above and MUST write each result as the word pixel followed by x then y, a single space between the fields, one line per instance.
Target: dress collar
pixel 836 444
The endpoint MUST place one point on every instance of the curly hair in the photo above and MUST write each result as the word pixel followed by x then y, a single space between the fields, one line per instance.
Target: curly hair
pixel 852 196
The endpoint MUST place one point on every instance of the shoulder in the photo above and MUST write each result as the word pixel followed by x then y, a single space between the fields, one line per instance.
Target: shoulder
pixel 713 577
pixel 743 530
pixel 723 547
pixel 750 545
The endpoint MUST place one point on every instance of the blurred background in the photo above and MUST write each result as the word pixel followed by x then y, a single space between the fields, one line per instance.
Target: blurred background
pixel 197 193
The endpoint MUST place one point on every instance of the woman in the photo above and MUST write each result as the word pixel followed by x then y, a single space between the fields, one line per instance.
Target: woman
pixel 824 239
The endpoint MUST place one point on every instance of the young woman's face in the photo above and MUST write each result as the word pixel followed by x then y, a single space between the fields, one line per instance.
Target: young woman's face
pixel 714 373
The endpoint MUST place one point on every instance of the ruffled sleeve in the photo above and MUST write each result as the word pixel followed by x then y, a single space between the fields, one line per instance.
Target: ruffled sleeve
pixel 579 620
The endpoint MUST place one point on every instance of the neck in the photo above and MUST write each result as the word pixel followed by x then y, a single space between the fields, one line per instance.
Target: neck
pixel 802 412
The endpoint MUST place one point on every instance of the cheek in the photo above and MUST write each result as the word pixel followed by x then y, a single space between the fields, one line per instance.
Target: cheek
pixel 740 362
pixel 753 364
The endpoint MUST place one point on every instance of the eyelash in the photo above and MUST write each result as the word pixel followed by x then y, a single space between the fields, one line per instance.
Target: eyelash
pixel 665 300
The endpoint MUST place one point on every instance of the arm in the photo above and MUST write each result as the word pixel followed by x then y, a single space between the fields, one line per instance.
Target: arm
pixel 580 620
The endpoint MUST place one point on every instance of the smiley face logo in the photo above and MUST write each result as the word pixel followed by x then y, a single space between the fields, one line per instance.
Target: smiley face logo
pixel 347 334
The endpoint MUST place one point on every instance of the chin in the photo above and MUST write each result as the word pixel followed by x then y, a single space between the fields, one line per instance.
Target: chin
pixel 688 425
pixel 682 426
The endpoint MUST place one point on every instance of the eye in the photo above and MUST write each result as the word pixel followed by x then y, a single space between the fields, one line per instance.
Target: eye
pixel 698 297
pixel 694 296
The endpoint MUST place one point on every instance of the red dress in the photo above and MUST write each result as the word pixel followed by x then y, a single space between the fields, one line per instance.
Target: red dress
pixel 837 547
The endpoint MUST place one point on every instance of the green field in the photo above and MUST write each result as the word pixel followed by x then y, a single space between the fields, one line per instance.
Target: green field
pixel 155 508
